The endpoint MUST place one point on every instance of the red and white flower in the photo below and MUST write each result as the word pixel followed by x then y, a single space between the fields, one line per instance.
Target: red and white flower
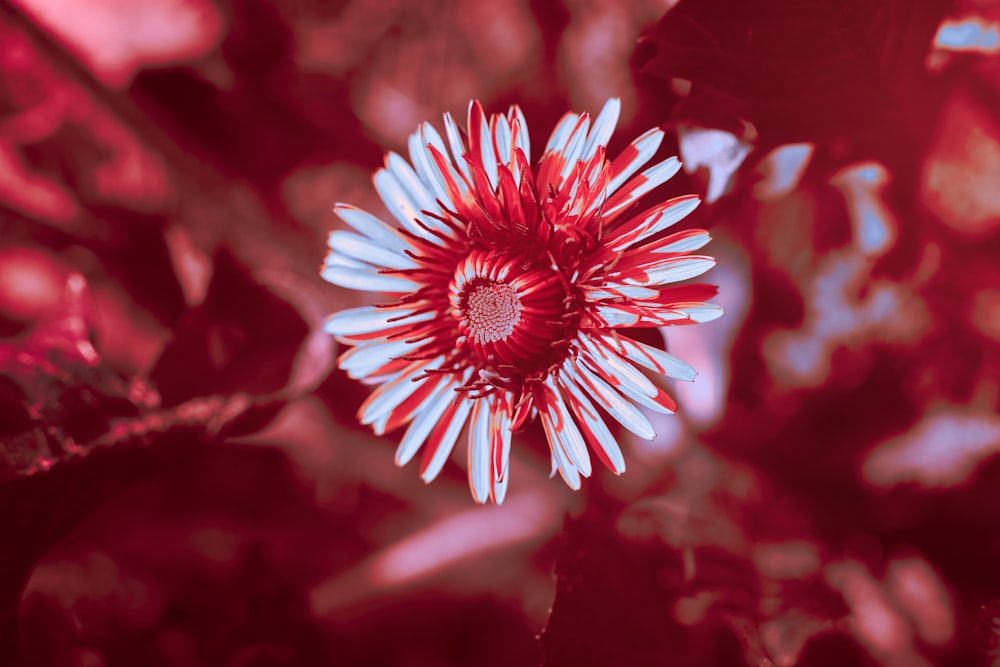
pixel 513 288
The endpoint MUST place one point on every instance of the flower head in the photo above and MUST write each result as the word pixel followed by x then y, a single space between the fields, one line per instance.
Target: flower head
pixel 513 288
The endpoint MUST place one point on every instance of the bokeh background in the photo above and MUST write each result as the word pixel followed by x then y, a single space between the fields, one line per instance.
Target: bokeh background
pixel 182 480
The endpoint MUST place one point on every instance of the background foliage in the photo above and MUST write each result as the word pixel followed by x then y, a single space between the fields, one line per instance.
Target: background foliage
pixel 182 481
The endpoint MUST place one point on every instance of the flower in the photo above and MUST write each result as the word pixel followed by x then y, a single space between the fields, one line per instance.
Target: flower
pixel 513 289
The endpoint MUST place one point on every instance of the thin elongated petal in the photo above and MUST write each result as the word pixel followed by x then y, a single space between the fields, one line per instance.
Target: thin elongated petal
pixel 436 405
pixel 480 445
pixel 382 401
pixel 366 281
pixel 616 405
pixel 661 402
pixel 574 148
pixel 652 358
pixel 403 207
pixel 632 158
pixel 645 182
pixel 503 141
pixel 560 460
pixel 369 319
pixel 519 127
pixel 560 135
pixel 369 359
pixel 366 250
pixel 627 379
pixel 501 435
pixel 563 431
pixel 594 429
pixel 616 369
pixel 408 409
pixel 499 491
pixel 694 239
pixel 371 227
pixel 456 145
pixel 410 182
pixel 617 316
pixel 481 144
pixel 657 402
pixel 442 439
pixel 667 270
pixel 337 259
pixel 701 313
pixel 604 126
pixel 423 162
pixel 619 293
pixel 652 222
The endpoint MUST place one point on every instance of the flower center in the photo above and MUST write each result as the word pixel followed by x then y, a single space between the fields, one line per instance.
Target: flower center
pixel 492 310
pixel 512 315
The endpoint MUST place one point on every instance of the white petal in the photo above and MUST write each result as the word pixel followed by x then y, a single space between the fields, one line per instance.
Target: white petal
pixel 503 141
pixel 372 227
pixel 604 127
pixel 360 247
pixel 619 292
pixel 592 421
pixel 408 179
pixel 618 368
pixel 701 312
pixel 652 358
pixel 522 140
pixel 339 259
pixel 363 360
pixel 653 177
pixel 574 148
pixel 501 430
pixel 455 142
pixel 673 270
pixel 625 412
pixel 388 397
pixel 560 135
pixel 479 450
pixel 635 394
pixel 564 431
pixel 617 317
pixel 560 461
pixel 398 201
pixel 646 146
pixel 424 162
pixel 366 281
pixel 369 319
pixel 447 443
pixel 459 179
pixel 614 317
pixel 654 223
pixel 486 152
pixel 500 488
pixel 426 420
pixel 686 243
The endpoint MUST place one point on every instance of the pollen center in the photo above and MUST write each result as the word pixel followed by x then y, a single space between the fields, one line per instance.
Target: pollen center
pixel 491 311
pixel 511 314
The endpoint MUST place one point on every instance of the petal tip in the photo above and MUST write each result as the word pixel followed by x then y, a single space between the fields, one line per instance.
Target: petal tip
pixel 708 313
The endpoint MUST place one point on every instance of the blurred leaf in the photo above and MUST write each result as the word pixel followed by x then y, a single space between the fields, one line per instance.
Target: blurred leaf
pixel 616 605
pixel 817 70
pixel 256 336
pixel 57 393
